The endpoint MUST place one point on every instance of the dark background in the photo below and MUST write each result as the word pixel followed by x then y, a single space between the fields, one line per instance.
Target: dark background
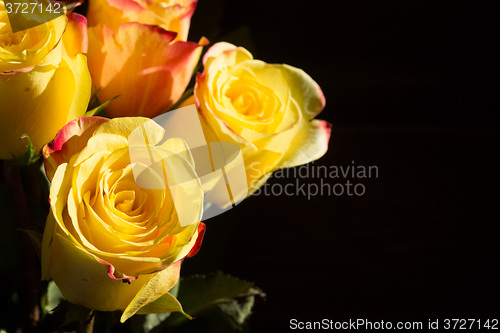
pixel 411 87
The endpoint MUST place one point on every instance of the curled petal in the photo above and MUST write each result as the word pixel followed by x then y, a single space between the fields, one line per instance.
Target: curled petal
pixel 228 54
pixel 60 149
pixel 311 142
pixel 115 275
pixel 305 91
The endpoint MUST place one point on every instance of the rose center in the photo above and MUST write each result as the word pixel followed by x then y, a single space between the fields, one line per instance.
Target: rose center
pixel 124 201
pixel 10 39
pixel 245 98
pixel 244 104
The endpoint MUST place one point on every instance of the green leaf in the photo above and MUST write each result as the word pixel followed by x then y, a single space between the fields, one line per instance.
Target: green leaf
pixel 67 317
pixel 238 310
pixel 94 100
pixel 146 323
pixel 62 313
pixel 54 297
pixel 31 155
pixel 99 108
pixel 232 296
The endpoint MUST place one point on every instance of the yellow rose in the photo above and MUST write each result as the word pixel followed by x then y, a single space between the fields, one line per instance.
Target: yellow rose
pixel 266 109
pixel 44 80
pixel 104 229
pixel 171 15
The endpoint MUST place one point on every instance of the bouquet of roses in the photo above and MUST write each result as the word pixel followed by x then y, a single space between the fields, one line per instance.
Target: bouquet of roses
pixel 114 153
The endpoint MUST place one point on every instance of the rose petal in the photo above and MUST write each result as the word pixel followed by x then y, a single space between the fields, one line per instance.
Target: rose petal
pixel 305 91
pixel 230 55
pixel 310 144
pixel 70 139
pixel 115 134
pixel 75 37
pixel 199 240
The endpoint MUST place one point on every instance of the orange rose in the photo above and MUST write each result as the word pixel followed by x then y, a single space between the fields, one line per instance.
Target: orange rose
pixel 138 51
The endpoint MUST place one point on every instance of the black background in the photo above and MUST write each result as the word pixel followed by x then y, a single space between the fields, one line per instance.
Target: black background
pixel 411 87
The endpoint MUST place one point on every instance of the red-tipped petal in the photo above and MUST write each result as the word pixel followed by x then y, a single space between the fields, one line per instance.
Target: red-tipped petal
pixel 114 274
pixel 75 37
pixel 217 49
pixel 199 240
pixel 77 132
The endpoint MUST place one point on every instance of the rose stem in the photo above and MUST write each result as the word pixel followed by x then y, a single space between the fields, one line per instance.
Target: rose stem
pixel 87 325
pixel 31 264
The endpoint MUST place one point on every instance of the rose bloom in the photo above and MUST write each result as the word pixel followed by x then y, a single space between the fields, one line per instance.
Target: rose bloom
pixel 266 109
pixel 138 51
pixel 44 80
pixel 143 65
pixel 103 229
